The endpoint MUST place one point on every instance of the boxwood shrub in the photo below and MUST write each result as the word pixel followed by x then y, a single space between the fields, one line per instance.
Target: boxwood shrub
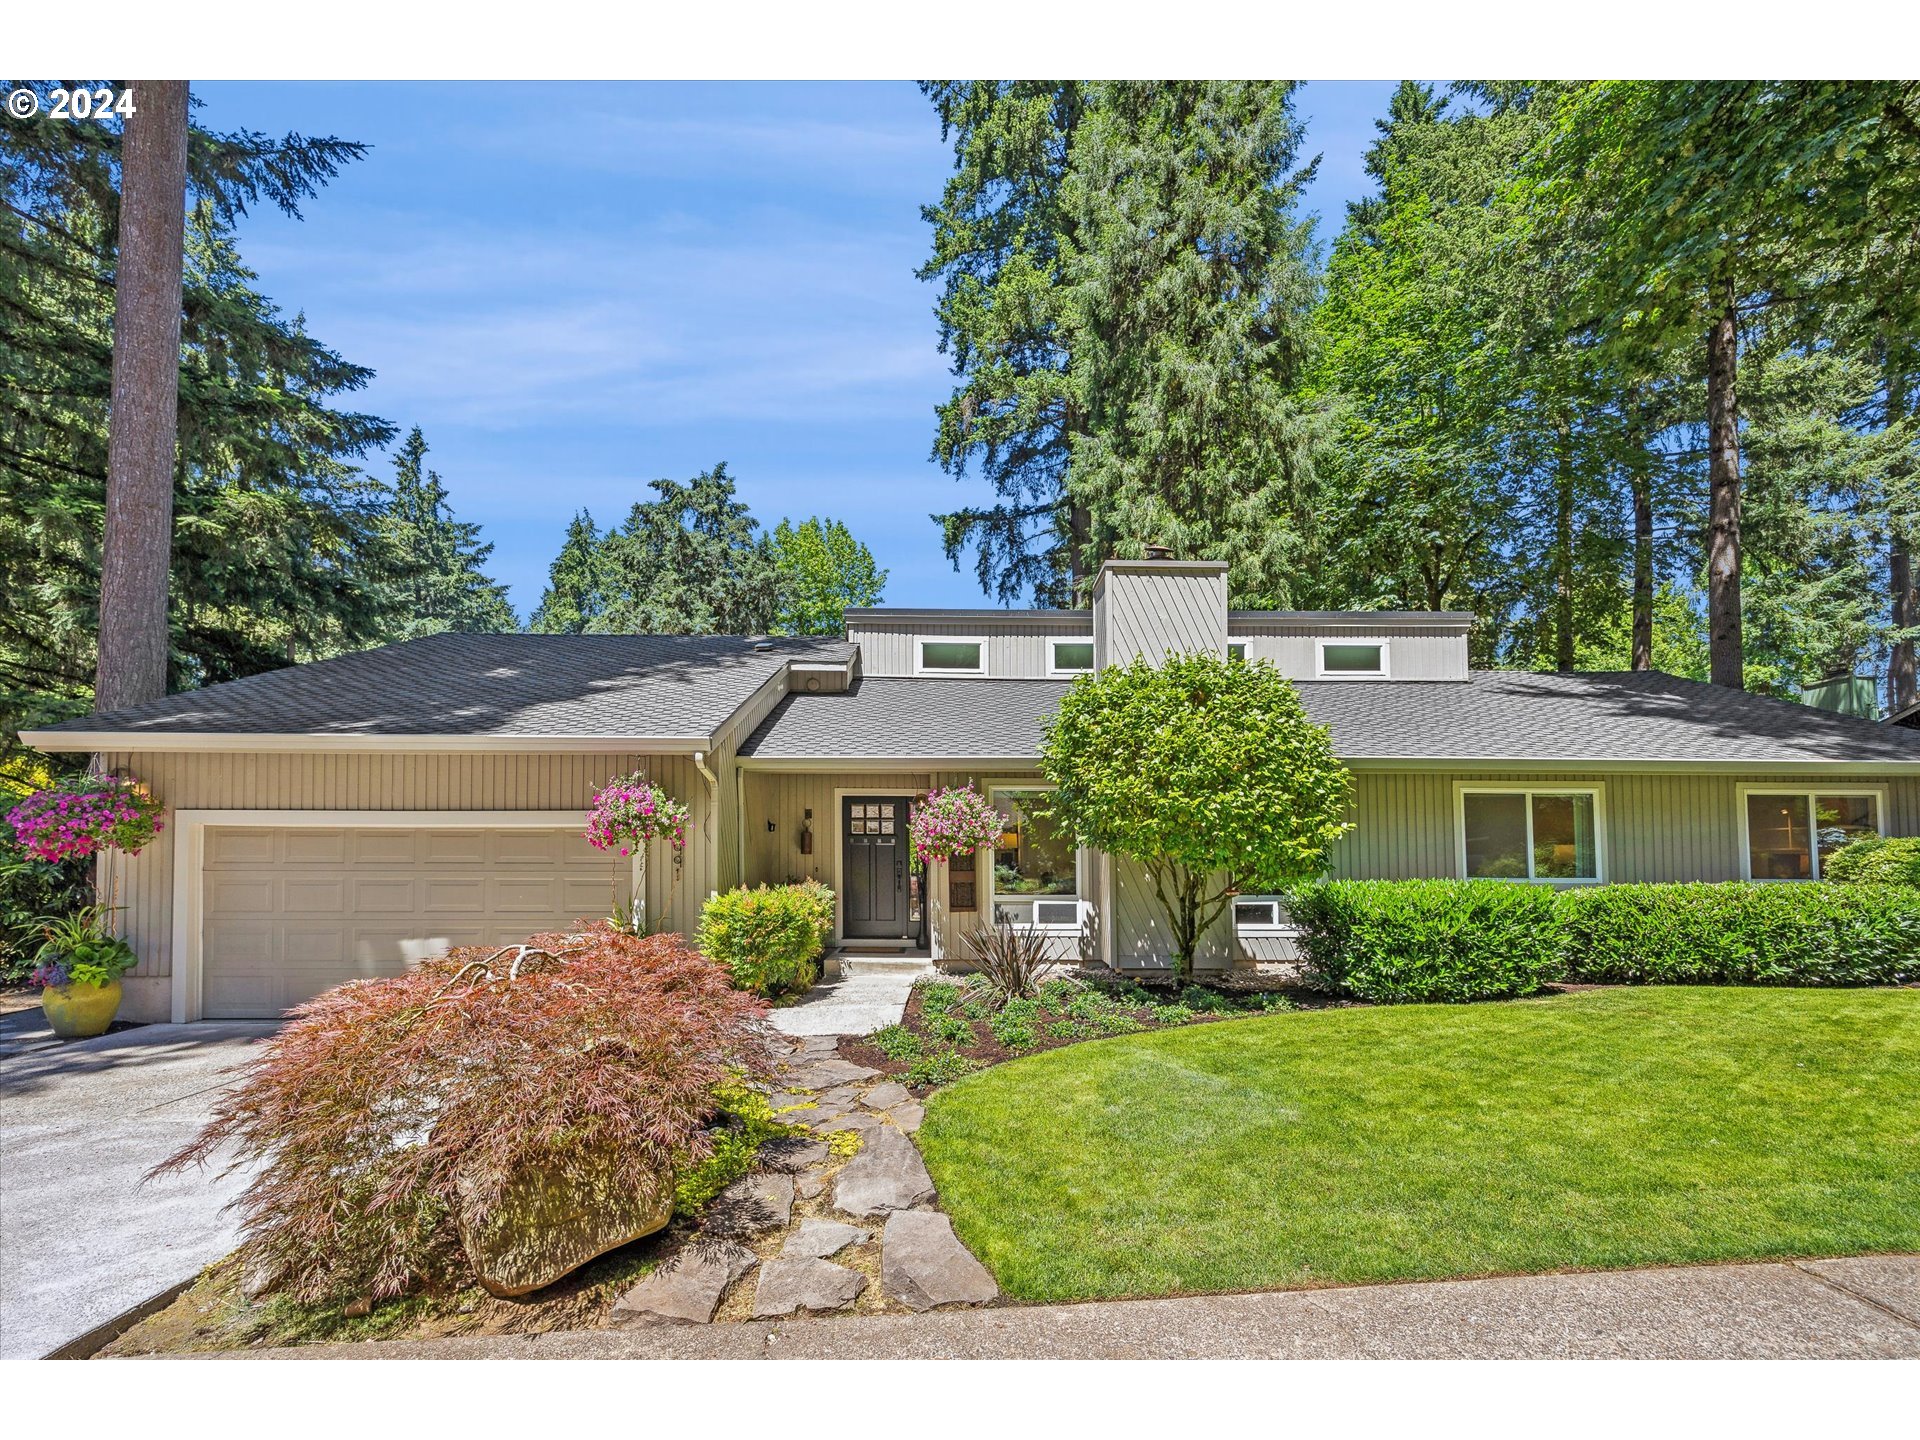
pixel 1429 940
pixel 770 938
pixel 1875 861
pixel 1742 934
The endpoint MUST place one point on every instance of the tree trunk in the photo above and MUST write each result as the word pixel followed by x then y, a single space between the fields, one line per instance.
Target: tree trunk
pixel 1725 649
pixel 1903 687
pixel 1642 483
pixel 137 545
pixel 1563 657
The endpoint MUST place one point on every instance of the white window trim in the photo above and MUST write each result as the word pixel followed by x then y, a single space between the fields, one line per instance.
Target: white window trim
pixel 1320 671
pixel 920 642
pixel 1054 672
pixel 1079 895
pixel 1808 792
pixel 1599 793
pixel 1279 927
pixel 1242 647
pixel 190 855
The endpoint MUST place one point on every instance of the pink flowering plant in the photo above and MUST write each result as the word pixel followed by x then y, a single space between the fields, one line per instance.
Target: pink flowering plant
pixel 84 815
pixel 628 815
pixel 954 821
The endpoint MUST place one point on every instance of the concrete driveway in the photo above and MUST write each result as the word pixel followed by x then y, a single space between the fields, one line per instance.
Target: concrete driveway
pixel 81 1239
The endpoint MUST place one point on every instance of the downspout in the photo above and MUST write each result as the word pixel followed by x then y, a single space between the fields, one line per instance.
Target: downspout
pixel 713 817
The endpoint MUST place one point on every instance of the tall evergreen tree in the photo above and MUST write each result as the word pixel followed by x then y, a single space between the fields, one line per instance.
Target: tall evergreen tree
pixel 576 593
pixel 822 571
pixel 273 530
pixel 438 562
pixel 691 561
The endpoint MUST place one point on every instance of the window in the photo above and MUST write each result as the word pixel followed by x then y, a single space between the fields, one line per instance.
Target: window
pixel 1237 650
pixel 1551 836
pixel 1071 657
pixel 953 657
pixel 1792 833
pixel 1036 877
pixel 1257 914
pixel 1351 659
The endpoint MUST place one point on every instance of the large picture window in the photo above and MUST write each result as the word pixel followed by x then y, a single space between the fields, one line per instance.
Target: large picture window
pixel 1791 834
pixel 1551 836
pixel 1036 878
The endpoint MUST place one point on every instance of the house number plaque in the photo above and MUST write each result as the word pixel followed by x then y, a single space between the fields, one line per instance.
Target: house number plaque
pixel 960 891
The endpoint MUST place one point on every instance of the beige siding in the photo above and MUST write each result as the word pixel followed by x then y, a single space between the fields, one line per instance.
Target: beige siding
pixel 1658 826
pixel 1015 651
pixel 412 781
pixel 1158 611
pixel 1413 652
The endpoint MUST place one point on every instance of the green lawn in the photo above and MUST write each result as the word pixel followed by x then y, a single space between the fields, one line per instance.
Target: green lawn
pixel 1610 1128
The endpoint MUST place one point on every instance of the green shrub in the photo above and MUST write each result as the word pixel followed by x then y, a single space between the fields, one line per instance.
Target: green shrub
pixel 940 1068
pixel 897 1042
pixel 1743 934
pixel 1430 940
pixel 1875 861
pixel 770 938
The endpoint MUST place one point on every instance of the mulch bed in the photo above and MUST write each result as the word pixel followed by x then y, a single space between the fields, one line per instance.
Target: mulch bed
pixel 985 1050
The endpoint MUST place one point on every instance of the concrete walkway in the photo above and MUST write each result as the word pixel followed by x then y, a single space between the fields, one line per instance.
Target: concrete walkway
pixel 81 1239
pixel 848 1005
pixel 1864 1308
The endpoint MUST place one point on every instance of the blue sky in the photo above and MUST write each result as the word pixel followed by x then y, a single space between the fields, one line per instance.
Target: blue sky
pixel 577 288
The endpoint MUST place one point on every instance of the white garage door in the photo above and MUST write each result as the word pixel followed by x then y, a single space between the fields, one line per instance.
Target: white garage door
pixel 290 912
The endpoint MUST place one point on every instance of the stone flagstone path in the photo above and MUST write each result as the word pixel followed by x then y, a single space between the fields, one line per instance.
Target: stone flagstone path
pixel 816 1232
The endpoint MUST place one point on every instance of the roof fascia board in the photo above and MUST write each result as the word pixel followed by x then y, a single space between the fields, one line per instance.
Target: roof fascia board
pixel 887 762
pixel 1615 767
pixel 138 740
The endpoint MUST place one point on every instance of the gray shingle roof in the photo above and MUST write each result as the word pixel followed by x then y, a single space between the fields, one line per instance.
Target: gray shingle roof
pixel 1496 715
pixel 653 686
pixel 933 718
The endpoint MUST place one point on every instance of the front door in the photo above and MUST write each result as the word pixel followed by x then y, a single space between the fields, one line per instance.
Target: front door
pixel 873 868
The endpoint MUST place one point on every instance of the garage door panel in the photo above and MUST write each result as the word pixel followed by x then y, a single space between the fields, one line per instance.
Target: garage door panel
pixel 453 847
pixel 277 933
pixel 313 847
pixel 385 847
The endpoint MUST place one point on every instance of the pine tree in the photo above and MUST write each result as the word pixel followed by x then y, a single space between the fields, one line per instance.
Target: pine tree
pixel 273 530
pixel 822 571
pixel 439 563
pixel 576 593
pixel 691 561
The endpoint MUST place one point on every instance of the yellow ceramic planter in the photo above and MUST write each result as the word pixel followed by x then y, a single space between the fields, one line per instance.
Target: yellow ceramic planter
pixel 79 1012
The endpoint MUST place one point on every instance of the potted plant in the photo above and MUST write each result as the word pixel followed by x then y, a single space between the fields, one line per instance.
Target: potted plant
pixel 79 970
pixel 628 815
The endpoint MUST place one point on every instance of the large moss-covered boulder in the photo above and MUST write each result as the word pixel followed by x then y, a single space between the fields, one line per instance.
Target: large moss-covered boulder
pixel 547 1223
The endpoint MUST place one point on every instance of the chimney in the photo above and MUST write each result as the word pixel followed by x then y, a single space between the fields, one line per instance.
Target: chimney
pixel 1158 607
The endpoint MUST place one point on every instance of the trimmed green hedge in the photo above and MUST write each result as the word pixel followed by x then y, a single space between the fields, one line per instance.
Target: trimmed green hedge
pixel 1742 934
pixel 1875 861
pixel 1430 940
pixel 1452 940
pixel 770 938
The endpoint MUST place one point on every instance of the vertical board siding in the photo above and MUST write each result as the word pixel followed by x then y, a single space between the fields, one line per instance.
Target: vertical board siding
pixel 1156 615
pixel 1015 651
pixel 282 781
pixel 1667 827
pixel 1413 653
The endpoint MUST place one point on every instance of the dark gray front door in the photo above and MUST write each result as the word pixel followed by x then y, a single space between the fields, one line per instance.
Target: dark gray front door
pixel 873 867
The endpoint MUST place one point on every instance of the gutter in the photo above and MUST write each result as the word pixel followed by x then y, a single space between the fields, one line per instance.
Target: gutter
pixel 213 741
pixel 713 819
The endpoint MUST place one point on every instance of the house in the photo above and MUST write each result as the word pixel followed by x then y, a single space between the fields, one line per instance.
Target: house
pixel 338 818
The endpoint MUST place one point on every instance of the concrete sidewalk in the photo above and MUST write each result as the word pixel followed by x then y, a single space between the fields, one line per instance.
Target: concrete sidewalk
pixel 81 1239
pixel 1863 1308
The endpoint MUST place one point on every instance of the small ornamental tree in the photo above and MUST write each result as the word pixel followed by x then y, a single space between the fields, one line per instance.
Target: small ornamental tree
pixel 627 816
pixel 1204 770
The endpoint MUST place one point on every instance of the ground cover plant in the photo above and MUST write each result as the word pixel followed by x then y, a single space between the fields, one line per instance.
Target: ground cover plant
pixel 387 1108
pixel 1606 1128
pixel 954 1027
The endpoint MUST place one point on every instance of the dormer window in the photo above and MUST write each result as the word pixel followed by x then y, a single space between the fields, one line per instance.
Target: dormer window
pixel 939 655
pixel 1350 660
pixel 1069 657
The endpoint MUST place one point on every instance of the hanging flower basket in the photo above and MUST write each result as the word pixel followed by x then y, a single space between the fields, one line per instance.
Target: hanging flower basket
pixel 951 822
pixel 627 816
pixel 82 816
